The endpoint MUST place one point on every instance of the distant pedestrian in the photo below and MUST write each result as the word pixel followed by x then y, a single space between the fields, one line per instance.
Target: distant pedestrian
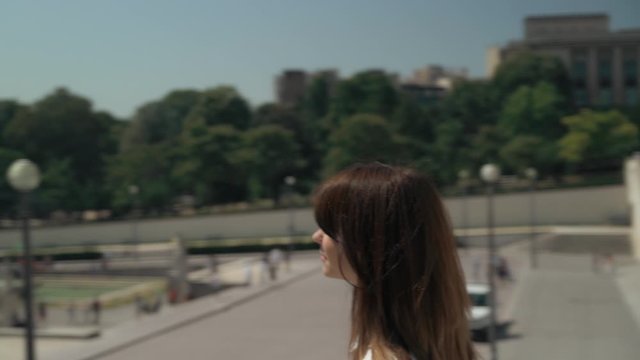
pixel 477 265
pixel 104 262
pixel 71 312
pixel 248 272
pixel 216 283
pixel 287 258
pixel 275 258
pixel 213 264
pixel 42 311
pixel 139 305
pixel 173 294
pixel 16 320
pixel 157 305
pixel 264 268
pixel 609 264
pixel 48 262
pixel 461 243
pixel 96 309
pixel 595 266
pixel 88 313
pixel 503 269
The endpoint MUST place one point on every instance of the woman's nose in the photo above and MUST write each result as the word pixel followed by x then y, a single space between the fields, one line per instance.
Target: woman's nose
pixel 317 236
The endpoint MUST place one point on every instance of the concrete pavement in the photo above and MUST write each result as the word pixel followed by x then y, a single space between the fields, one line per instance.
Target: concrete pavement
pixel 120 326
pixel 293 313
pixel 568 312
pixel 628 279
pixel 307 319
pixel 560 311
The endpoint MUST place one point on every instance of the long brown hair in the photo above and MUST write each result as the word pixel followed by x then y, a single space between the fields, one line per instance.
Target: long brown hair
pixel 410 298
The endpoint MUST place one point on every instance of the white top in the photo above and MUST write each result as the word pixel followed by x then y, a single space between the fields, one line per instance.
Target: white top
pixel 369 356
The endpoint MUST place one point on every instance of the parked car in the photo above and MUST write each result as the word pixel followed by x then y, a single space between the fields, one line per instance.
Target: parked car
pixel 480 317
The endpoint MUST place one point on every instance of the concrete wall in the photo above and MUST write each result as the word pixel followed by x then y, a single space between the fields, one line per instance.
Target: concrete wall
pixel 597 205
pixel 632 181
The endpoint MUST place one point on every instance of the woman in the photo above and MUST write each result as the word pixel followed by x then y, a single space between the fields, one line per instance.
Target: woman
pixel 384 230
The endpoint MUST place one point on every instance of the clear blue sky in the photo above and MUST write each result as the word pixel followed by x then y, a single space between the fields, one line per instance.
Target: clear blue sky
pixel 121 54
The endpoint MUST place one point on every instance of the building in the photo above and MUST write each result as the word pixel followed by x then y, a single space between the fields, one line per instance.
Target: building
pixel 437 75
pixel 424 94
pixel 292 84
pixel 603 64
pixel 493 58
pixel 428 84
pixel 432 82
pixel 331 77
pixel 290 87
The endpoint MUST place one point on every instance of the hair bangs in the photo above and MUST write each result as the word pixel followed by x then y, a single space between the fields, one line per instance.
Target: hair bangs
pixel 328 203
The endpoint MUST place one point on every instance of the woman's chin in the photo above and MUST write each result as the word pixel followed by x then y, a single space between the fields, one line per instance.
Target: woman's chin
pixel 326 270
pixel 331 274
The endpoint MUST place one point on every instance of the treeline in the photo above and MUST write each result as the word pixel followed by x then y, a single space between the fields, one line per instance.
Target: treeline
pixel 213 147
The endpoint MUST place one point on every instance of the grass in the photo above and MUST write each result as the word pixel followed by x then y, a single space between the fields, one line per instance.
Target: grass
pixel 57 293
pixel 60 291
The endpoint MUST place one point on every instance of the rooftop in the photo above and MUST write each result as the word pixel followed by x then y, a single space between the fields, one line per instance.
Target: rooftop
pixel 585 16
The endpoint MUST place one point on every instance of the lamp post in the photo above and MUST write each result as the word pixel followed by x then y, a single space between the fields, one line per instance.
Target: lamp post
pixel 24 176
pixel 290 181
pixel 134 190
pixel 463 180
pixel 490 173
pixel 532 175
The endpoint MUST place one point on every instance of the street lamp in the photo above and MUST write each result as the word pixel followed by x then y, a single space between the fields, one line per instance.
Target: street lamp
pixel 463 180
pixel 532 175
pixel 24 176
pixel 133 191
pixel 290 181
pixel 490 174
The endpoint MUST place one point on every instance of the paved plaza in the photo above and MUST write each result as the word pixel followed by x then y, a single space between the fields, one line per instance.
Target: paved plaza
pixel 567 312
pixel 569 308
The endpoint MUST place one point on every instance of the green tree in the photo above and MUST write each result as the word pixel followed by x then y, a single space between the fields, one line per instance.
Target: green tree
pixel 222 105
pixel 413 120
pixel 161 120
pixel 306 133
pixel 364 137
pixel 485 146
pixel 147 166
pixel 63 127
pixel 527 69
pixel 534 110
pixel 633 114
pixel 209 165
pixel 317 99
pixel 270 154
pixel 8 196
pixel 369 92
pixel 276 114
pixel 472 104
pixel 59 189
pixel 598 139
pixel 315 111
pixel 524 151
pixel 8 110
pixel 450 151
pixel 465 134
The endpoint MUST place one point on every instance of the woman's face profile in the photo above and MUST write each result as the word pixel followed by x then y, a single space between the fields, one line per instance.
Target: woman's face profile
pixel 334 263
